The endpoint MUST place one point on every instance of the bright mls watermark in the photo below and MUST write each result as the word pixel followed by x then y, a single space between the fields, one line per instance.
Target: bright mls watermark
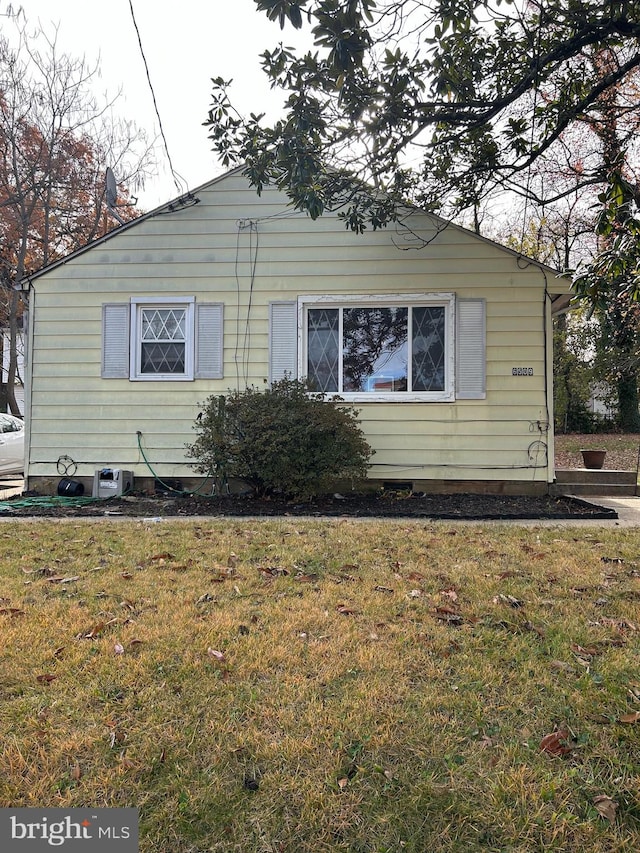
pixel 69 830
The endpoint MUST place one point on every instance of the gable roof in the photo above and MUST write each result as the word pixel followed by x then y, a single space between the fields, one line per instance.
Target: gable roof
pixel 560 294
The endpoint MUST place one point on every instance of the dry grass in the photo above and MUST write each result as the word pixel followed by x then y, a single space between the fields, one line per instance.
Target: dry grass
pixel 299 687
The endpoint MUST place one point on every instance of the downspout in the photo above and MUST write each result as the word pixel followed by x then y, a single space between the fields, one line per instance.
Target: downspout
pixel 548 383
pixel 28 374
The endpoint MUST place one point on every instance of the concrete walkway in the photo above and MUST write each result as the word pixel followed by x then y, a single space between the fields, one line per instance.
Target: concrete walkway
pixel 10 486
pixel 628 509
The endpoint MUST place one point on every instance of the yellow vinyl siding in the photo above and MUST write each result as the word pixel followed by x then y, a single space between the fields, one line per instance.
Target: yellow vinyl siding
pixel 200 252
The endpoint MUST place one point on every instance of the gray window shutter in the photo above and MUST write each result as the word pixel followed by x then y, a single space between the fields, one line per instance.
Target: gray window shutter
pixel 209 344
pixel 115 340
pixel 283 340
pixel 471 349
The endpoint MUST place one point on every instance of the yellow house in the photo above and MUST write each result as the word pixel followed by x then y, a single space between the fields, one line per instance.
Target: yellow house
pixel 440 338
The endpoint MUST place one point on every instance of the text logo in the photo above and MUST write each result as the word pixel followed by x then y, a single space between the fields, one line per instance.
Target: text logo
pixel 35 830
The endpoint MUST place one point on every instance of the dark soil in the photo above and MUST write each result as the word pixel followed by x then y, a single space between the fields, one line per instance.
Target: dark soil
pixel 388 505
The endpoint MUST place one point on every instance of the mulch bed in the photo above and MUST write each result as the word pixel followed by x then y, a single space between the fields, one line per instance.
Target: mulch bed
pixel 388 505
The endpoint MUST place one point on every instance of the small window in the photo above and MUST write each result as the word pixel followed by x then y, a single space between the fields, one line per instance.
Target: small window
pixel 163 338
pixel 376 349
pixel 162 335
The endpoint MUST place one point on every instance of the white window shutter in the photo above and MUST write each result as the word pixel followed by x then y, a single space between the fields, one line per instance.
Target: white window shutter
pixel 115 340
pixel 209 344
pixel 283 341
pixel 471 349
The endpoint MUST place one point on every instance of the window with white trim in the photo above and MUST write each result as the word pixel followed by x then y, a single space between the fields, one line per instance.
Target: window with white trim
pixel 379 348
pixel 162 334
pixel 162 338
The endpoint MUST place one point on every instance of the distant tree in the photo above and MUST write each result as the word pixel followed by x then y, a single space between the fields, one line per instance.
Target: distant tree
pixel 55 144
pixel 436 102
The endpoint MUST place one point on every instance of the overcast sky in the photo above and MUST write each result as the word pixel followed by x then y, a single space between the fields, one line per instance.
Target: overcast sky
pixel 186 43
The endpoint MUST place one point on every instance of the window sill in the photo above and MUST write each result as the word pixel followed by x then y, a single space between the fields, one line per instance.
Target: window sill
pixel 398 397
pixel 161 377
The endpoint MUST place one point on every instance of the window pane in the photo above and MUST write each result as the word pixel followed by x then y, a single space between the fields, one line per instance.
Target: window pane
pixel 322 347
pixel 163 344
pixel 374 349
pixel 163 324
pixel 162 358
pixel 428 349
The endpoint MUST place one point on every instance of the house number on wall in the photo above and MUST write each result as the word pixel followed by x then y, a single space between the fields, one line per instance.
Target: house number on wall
pixel 522 371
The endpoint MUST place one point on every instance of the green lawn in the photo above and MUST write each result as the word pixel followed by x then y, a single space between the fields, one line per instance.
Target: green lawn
pixel 298 687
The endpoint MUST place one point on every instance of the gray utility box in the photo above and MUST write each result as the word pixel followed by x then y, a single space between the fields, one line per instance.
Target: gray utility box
pixel 111 482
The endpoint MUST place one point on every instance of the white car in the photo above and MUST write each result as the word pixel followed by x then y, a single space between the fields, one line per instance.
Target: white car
pixel 11 444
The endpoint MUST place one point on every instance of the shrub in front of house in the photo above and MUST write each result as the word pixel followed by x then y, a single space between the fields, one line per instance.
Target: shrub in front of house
pixel 281 440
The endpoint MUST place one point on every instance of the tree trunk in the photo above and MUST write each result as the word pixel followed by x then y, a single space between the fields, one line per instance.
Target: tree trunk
pixel 12 370
pixel 628 414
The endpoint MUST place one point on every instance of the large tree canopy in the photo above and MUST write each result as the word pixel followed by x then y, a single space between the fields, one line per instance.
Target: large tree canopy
pixel 436 102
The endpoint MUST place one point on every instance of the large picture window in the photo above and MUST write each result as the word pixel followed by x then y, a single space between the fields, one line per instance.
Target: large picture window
pixel 380 347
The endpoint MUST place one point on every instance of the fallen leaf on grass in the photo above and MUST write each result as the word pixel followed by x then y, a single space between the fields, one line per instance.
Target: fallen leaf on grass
pixel 556 743
pixel 621 625
pixel 11 611
pixel 62 579
pixel 45 571
pixel 214 653
pixel 511 600
pixel 302 578
pixel 535 629
pixel 272 571
pixel 584 652
pixel 342 783
pixel 606 807
pixel 76 773
pixel 446 614
pixel 415 576
pixel 45 678
pixel 634 692
pixel 508 574
pixel 449 593
pixel 633 717
pixel 562 666
pixel 118 649
pixel 346 611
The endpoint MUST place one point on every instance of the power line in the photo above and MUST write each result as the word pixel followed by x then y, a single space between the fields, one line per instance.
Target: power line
pixel 180 183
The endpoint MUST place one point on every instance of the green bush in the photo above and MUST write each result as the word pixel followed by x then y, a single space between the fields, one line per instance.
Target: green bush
pixel 284 439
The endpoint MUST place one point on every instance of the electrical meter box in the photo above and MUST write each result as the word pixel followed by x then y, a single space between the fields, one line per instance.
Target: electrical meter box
pixel 111 482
